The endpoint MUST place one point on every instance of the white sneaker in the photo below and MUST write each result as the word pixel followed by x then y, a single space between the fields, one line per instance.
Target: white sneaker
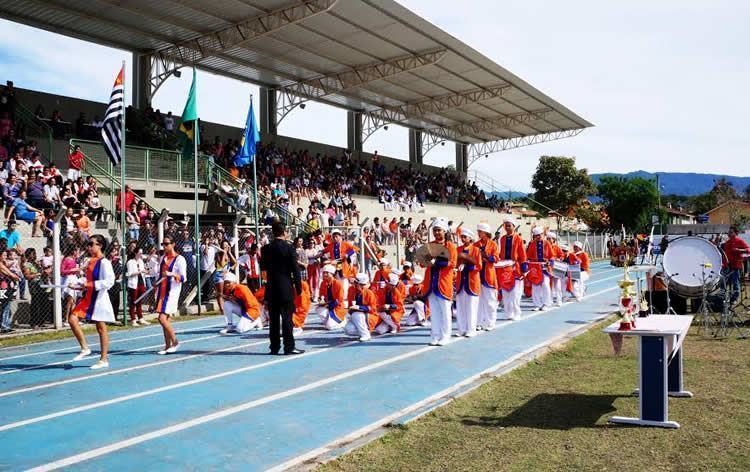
pixel 100 365
pixel 226 331
pixel 173 349
pixel 433 343
pixel 489 328
pixel 364 339
pixel 162 352
pixel 558 303
pixel 143 322
pixel 134 322
pixel 82 354
pixel 470 334
pixel 297 331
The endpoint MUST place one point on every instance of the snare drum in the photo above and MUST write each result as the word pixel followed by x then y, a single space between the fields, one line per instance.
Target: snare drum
pixel 559 269
pixel 574 270
pixel 506 274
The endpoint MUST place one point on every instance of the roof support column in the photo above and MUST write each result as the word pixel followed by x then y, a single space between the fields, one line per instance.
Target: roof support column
pixel 354 132
pixel 268 123
pixel 141 96
pixel 415 147
pixel 462 160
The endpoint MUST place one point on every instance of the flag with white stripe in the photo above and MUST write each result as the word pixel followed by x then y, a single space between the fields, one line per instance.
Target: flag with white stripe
pixel 112 124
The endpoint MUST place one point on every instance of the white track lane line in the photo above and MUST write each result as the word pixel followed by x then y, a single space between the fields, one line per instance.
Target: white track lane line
pixel 94 338
pixel 101 451
pixel 209 378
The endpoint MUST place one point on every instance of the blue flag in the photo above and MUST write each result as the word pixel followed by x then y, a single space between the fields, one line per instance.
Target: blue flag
pixel 250 138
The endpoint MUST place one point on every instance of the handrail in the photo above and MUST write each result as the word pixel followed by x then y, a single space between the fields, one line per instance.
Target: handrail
pixel 43 129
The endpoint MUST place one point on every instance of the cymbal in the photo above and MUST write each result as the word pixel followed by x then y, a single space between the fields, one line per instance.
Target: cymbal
pixel 426 252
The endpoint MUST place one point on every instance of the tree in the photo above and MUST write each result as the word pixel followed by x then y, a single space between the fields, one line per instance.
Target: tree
pixel 723 191
pixel 629 202
pixel 701 204
pixel 558 184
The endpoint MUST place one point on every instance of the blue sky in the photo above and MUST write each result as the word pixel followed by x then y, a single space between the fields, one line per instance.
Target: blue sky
pixel 664 82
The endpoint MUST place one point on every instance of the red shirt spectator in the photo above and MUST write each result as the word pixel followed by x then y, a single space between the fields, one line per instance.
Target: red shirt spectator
pixel 75 160
pixel 734 249
pixel 129 198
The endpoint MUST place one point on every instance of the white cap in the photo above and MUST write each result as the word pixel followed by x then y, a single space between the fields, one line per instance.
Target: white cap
pixel 336 231
pixel 536 231
pixel 564 247
pixel 417 279
pixel 551 234
pixel 230 277
pixel 393 279
pixel 362 279
pixel 468 233
pixel 407 264
pixel 484 227
pixel 329 269
pixel 384 261
pixel 441 224
pixel 578 244
pixel 509 219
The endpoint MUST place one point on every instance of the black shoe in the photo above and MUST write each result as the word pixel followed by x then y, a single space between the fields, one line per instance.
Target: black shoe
pixel 273 353
pixel 294 352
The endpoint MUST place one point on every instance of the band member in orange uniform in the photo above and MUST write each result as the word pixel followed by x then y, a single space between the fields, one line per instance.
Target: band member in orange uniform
pixel 557 256
pixel 420 311
pixel 380 279
pixel 538 253
pixel 332 311
pixel 438 286
pixel 390 306
pixel 363 309
pixel 241 308
pixel 95 304
pixel 487 312
pixel 302 302
pixel 343 252
pixel 579 286
pixel 468 284
pixel 510 279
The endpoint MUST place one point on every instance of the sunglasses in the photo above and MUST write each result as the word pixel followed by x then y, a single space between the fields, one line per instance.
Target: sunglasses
pixel 91 243
pixel 166 244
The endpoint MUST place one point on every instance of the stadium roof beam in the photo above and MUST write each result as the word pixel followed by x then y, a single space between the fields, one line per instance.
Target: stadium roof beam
pixel 319 87
pixel 476 151
pixel 189 53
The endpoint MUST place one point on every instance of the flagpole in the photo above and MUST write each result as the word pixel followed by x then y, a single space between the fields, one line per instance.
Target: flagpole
pixel 255 189
pixel 123 232
pixel 196 134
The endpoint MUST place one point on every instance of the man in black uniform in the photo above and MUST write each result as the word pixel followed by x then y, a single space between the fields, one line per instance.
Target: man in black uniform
pixel 279 260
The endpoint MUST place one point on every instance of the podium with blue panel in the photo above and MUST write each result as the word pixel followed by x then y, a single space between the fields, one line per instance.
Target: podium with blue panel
pixel 660 340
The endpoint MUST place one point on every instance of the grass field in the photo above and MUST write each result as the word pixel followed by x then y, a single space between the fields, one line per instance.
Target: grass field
pixel 552 414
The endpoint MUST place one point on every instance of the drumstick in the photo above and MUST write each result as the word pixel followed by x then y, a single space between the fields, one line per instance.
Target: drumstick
pixel 148 291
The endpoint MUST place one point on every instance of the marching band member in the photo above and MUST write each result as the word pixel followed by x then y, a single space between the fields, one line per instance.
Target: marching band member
pixel 380 278
pixel 538 253
pixel 173 272
pixel 344 252
pixel 439 285
pixel 332 311
pixel 557 256
pixel 510 279
pixel 241 308
pixel 390 306
pixel 468 284
pixel 420 311
pixel 488 301
pixel 302 302
pixel 363 306
pixel 95 304
pixel 407 272
pixel 579 286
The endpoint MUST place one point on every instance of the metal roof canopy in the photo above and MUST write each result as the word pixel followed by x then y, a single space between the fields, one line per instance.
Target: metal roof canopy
pixel 371 56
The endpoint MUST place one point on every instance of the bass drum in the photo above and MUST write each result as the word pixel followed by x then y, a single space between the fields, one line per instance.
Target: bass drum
pixel 685 264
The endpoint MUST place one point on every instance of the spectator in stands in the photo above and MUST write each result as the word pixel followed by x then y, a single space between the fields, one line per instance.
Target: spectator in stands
pixel 94 205
pixel 75 163
pixel 36 276
pixel 8 283
pixel 134 222
pixel 70 273
pixel 83 223
pixel 51 194
pixel 129 198
pixel 6 124
pixel 169 123
pixel 136 272
pixel 11 189
pixel 25 212
pixel 35 192
pixel 12 236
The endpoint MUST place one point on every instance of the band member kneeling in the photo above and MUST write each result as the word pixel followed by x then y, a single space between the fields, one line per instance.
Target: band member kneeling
pixel 241 308
pixel 420 311
pixel 390 306
pixel 363 304
pixel 332 311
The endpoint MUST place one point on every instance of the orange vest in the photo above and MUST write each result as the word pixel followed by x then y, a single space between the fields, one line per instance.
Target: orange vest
pixel 247 301
pixel 302 304
pixel 488 274
pixel 342 251
pixel 380 276
pixel 469 279
pixel 583 258
pixel 441 279
pixel 368 303
pixel 511 248
pixel 333 292
pixel 394 297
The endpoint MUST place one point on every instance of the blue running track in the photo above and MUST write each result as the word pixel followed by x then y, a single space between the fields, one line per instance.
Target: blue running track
pixel 222 403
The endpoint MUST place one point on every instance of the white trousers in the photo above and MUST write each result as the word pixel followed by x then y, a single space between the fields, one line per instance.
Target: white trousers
pixel 387 324
pixel 487 312
pixel 541 295
pixel 466 314
pixel 416 316
pixel 440 314
pixel 234 319
pixel 512 302
pixel 357 326
pixel 557 292
pixel 328 322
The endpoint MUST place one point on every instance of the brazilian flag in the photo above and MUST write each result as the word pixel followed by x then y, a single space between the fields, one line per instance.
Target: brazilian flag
pixel 188 131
